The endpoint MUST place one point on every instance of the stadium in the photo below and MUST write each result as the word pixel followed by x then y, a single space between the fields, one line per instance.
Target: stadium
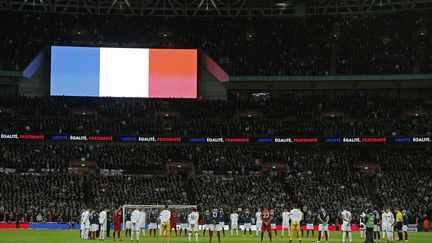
pixel 215 120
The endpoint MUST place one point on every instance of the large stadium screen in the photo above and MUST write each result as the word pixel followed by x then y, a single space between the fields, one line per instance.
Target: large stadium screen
pixel 123 72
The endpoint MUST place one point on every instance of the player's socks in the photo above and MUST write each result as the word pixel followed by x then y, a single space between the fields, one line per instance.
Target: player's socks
pixel 326 236
pixel 218 235
pixel 291 235
pixel 343 236
pixel 204 232
pixel 262 236
pixel 250 232
pixel 196 236
pixel 210 234
pixel 350 236
pixel 406 236
pixel 270 236
pixel 223 232
pixel 275 233
pixel 190 236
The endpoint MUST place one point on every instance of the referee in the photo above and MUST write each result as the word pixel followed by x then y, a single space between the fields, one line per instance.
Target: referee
pixel 399 222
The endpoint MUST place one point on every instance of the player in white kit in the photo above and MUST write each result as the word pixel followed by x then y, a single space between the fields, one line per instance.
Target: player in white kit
pixel 258 222
pixel 234 217
pixel 82 224
pixel 193 224
pixel 285 221
pixel 135 217
pixel 142 221
pixel 103 224
pixel 389 220
pixel 86 224
pixel 346 225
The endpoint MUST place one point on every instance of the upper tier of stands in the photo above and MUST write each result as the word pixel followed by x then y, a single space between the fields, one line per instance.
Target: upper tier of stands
pixel 396 43
pixel 350 115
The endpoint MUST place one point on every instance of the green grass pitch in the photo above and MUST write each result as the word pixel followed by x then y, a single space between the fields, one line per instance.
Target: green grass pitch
pixel 72 236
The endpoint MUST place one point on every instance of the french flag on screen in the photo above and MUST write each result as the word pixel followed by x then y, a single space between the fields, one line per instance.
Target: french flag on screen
pixel 123 72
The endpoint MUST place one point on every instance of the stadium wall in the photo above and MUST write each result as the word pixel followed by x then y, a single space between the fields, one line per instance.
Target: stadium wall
pixel 211 79
pixel 354 82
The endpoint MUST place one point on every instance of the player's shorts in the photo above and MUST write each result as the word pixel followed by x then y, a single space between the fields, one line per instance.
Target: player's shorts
pixel 285 226
pixel 152 226
pixel 405 228
pixel 295 227
pixel 384 227
pixel 234 225
pixel 165 226
pixel 173 225
pixel 117 226
pixel 94 227
pixel 103 226
pixel 222 225
pixel 87 226
pixel 259 224
pixel 309 226
pixel 215 227
pixel 193 227
pixel 247 225
pixel 135 227
pixel 183 226
pixel 377 228
pixel 346 227
pixel 82 226
pixel 142 226
pixel 128 224
pixel 323 227
pixel 398 226
pixel 362 226
pixel 265 228
pixel 273 226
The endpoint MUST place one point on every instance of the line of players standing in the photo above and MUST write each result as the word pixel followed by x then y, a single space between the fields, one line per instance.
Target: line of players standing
pixel 94 225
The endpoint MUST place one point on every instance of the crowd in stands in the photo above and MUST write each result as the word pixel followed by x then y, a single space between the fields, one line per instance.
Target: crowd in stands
pixel 313 176
pixel 240 192
pixel 113 191
pixel 315 45
pixel 52 197
pixel 285 116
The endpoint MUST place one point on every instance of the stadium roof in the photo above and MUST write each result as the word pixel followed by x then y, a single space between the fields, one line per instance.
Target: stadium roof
pixel 214 7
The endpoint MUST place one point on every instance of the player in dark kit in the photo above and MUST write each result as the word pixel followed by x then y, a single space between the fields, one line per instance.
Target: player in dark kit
pixel 309 224
pixel 247 220
pixel 128 224
pixel 222 221
pixel 207 221
pixel 117 223
pixel 92 220
pixel 153 223
pixel 267 216
pixel 323 219
pixel 183 222
pixel 274 225
pixel 173 221
pixel 215 224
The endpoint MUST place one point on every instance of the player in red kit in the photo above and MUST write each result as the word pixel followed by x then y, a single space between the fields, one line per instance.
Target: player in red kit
pixel 117 222
pixel 266 215
pixel 173 221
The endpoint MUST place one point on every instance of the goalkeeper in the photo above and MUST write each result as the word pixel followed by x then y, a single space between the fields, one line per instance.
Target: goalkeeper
pixel 164 218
